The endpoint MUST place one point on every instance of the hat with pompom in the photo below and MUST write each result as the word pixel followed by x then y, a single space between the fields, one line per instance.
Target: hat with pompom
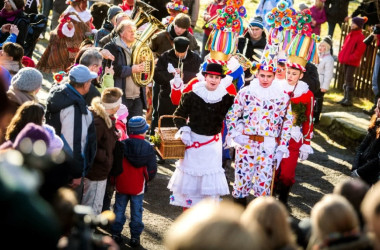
pixel 359 21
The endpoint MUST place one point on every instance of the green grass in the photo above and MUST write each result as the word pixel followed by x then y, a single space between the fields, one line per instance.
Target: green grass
pixel 334 95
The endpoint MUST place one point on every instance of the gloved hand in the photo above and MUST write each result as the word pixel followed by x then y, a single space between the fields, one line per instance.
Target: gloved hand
pixel 241 140
pixel 278 158
pixel 186 138
pixel 303 156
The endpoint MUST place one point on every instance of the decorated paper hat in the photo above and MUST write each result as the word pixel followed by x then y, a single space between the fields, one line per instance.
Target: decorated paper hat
pixel 303 47
pixel 227 26
pixel 280 20
pixel 177 6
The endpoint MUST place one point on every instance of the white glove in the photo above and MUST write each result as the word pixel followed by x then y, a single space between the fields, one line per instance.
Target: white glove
pixel 278 158
pixel 303 156
pixel 241 140
pixel 186 138
pixel 305 150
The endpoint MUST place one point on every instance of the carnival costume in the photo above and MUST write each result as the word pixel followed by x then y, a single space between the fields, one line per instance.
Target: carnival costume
pixel 262 118
pixel 64 42
pixel 301 50
pixel 200 173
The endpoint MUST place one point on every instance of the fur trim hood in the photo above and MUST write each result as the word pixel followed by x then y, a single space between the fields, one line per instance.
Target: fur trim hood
pixel 99 110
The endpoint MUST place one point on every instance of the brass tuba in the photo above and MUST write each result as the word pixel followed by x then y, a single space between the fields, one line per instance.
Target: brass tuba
pixel 141 51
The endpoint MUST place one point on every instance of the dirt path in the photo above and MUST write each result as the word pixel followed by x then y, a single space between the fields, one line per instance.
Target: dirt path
pixel 315 177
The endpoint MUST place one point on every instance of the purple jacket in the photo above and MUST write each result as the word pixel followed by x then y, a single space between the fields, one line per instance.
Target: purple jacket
pixel 320 17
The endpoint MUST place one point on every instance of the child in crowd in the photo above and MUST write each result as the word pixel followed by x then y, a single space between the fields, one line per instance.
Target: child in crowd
pixel 325 71
pixel 350 56
pixel 139 167
pixel 103 110
pixel 318 16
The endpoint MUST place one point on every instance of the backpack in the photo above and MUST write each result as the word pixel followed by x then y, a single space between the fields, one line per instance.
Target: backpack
pixel 37 25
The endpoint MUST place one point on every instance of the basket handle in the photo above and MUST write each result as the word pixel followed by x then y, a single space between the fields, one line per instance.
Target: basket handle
pixel 167 116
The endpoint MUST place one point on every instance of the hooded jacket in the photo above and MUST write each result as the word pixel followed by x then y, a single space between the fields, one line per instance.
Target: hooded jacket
pixel 139 166
pixel 106 138
pixel 67 112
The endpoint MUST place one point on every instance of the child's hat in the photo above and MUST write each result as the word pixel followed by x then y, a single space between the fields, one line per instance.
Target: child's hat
pixel 122 113
pixel 137 125
pixel 359 21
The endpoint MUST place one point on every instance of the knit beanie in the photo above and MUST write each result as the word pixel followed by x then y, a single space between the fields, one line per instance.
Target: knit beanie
pixel 137 125
pixel 359 21
pixel 34 132
pixel 113 11
pixel 56 143
pixel 27 79
pixel 257 22
pixel 328 41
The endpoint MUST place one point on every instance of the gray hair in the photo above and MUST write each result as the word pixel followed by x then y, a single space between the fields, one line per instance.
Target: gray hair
pixel 123 25
pixel 90 57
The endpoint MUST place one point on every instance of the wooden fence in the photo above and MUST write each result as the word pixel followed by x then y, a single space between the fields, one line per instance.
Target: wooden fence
pixel 363 74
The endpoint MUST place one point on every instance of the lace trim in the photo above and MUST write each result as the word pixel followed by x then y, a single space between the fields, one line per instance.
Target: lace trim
pixel 306 148
pixel 274 91
pixel 209 96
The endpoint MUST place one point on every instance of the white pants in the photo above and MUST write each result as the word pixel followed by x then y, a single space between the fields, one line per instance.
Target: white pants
pixel 93 194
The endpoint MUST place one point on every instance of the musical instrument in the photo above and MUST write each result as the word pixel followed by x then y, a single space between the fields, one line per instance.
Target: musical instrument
pixel 141 51
pixel 140 5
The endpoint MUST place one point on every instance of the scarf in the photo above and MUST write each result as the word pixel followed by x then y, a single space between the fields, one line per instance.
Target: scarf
pixel 9 16
pixel 12 66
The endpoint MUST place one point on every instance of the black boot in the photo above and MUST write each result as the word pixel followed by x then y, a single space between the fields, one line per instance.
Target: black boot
pixel 241 201
pixel 348 101
pixel 283 192
pixel 371 111
pixel 345 95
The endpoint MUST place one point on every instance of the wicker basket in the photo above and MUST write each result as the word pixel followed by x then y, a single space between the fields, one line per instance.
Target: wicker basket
pixel 169 148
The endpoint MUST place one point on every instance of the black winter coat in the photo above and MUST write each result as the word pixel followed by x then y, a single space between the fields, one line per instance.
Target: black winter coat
pixel 366 160
pixel 246 41
pixel 121 68
pixel 191 65
pixel 22 23
pixel 336 10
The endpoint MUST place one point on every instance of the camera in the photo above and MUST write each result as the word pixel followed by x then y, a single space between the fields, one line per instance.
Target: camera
pixel 83 234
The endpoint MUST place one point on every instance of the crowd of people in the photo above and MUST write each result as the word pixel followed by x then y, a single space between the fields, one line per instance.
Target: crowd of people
pixel 250 94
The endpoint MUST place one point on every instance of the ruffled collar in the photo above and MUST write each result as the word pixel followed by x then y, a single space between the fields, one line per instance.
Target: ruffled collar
pixel 274 91
pixel 85 16
pixel 210 96
pixel 301 88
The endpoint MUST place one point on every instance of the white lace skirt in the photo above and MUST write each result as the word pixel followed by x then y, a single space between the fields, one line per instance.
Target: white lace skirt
pixel 200 174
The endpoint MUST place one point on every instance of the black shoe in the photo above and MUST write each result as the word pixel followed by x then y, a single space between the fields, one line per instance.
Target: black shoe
pixel 341 101
pixel 117 238
pixel 134 242
pixel 347 103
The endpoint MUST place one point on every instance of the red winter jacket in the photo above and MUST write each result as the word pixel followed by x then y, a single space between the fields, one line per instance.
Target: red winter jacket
pixel 353 48
pixel 139 166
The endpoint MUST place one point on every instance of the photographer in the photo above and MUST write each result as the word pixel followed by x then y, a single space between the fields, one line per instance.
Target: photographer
pixel 375 35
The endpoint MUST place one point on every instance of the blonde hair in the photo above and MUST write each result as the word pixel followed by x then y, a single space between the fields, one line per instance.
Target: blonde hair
pixel 272 216
pixel 370 207
pixel 111 95
pixel 333 217
pixel 210 225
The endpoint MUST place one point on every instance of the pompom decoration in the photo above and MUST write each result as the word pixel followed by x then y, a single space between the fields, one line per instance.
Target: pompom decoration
pixel 58 77
pixel 176 5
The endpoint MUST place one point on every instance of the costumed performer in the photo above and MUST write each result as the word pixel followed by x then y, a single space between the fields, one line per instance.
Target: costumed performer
pixel 259 124
pixel 302 49
pixel 75 25
pixel 200 174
